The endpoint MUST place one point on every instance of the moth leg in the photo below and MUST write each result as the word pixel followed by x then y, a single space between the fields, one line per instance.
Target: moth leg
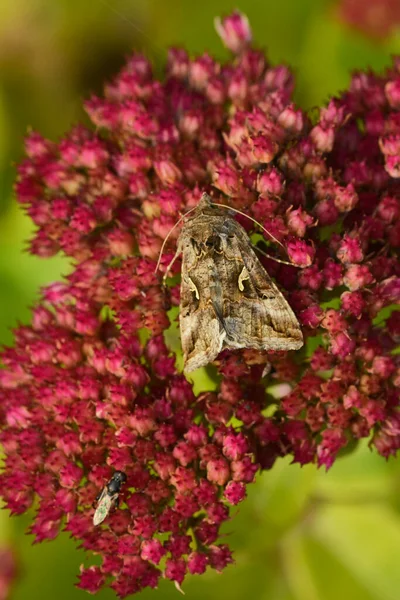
pixel 177 253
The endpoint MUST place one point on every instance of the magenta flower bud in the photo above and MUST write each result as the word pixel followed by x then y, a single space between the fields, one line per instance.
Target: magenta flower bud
pixel 152 550
pixel 314 168
pixel 383 366
pixel 93 155
pixel 332 441
pixel 333 113
pixel 226 179
pixel 333 274
pixel 311 316
pixel 392 165
pixel 390 145
pixel 220 557
pixel 190 123
pixel 178 62
pixel 326 212
pixel 37 146
pixel 217 513
pixel 197 435
pixel 321 360
pixel 91 579
pixel 184 453
pixel 216 90
pixel 389 209
pixel 167 171
pixel 70 475
pixel 375 123
pixel 342 345
pixel 279 77
pixel 350 250
pixel 201 70
pixel 183 479
pixel 353 398
pixel 197 563
pixel 311 277
pixel 234 446
pixel 253 62
pixel 353 303
pixel 234 31
pixel 392 92
pixel 346 198
pixel 300 253
pixel 270 182
pixel 265 207
pixel 238 87
pixel 218 471
pixel 291 120
pixel 235 492
pixel 298 221
pixel 206 493
pixel 323 136
pixel 334 322
pixel 186 505
pixel 178 545
pixel 264 149
pixel 357 276
pixel 244 470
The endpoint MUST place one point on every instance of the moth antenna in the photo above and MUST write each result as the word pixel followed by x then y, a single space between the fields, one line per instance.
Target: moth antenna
pixel 251 219
pixel 167 236
pixel 278 260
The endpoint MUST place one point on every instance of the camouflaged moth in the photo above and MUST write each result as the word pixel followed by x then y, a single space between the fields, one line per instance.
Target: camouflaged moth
pixel 228 300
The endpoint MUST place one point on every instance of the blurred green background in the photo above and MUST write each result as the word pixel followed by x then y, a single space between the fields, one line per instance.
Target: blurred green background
pixel 302 534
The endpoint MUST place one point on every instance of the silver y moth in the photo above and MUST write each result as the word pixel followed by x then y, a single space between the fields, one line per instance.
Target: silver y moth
pixel 228 300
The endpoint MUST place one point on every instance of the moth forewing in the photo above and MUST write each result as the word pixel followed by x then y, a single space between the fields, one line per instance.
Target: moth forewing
pixel 262 319
pixel 228 299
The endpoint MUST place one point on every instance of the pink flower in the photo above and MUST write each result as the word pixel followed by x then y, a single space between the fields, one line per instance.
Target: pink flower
pixel 91 386
pixel 300 253
pixel 234 31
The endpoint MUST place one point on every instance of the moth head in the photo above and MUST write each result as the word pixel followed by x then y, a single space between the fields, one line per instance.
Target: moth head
pixel 214 243
pixel 205 202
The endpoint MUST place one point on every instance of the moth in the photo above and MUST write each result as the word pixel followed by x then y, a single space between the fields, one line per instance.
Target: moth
pixel 228 300
pixel 108 498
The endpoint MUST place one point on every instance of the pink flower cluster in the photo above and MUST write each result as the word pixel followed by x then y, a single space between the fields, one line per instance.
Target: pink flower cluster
pixel 8 571
pixel 377 18
pixel 91 386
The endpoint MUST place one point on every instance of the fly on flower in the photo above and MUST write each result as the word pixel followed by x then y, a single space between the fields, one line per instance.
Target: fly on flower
pixel 108 498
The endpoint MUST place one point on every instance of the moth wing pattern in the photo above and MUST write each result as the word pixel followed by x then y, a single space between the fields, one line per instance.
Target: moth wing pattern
pixel 256 314
pixel 202 332
pixel 228 300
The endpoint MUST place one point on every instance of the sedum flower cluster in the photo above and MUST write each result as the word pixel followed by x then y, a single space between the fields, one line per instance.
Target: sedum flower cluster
pixel 91 385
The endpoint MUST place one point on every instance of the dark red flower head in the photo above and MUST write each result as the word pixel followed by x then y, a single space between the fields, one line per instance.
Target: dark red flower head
pixel 92 385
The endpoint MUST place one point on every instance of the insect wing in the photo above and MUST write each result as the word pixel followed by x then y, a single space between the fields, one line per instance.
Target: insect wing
pixel 104 506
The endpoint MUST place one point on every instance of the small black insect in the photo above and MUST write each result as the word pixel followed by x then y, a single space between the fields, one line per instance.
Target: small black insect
pixel 108 498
